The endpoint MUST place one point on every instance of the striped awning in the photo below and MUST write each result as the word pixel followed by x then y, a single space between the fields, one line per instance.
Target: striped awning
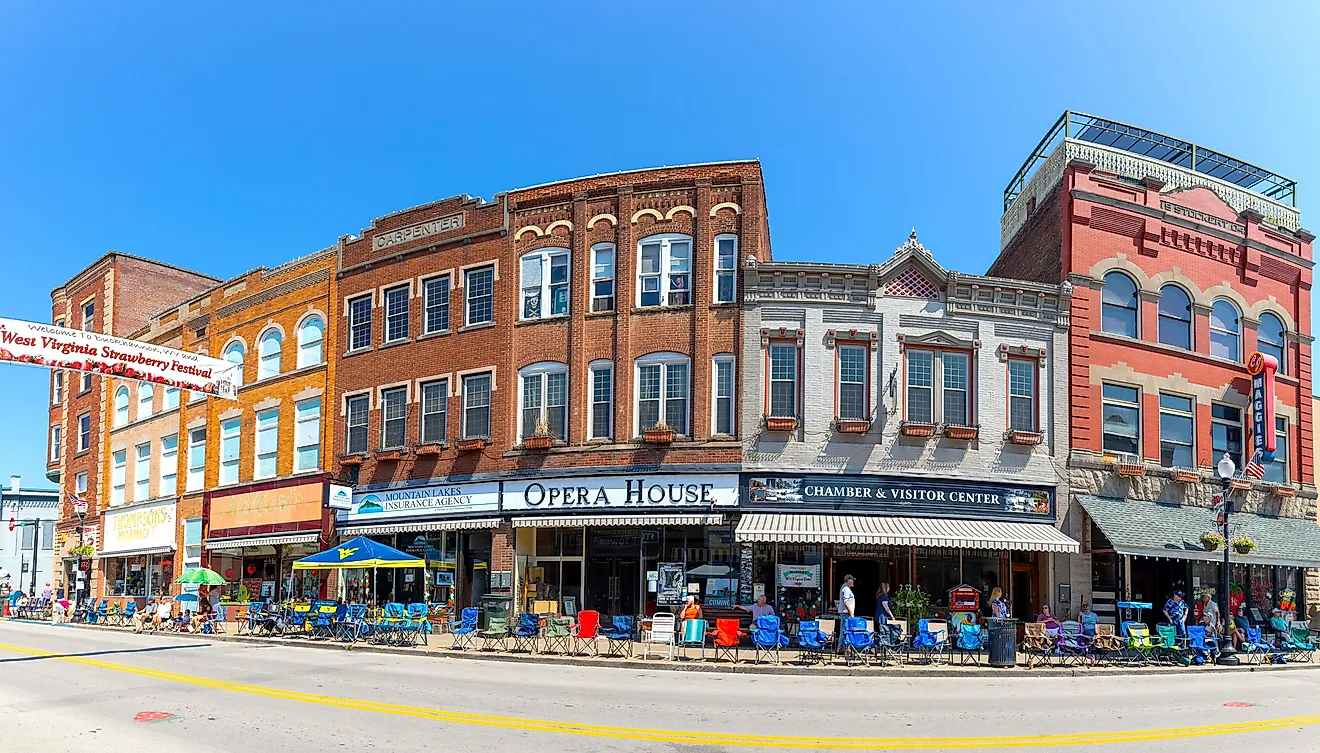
pixel 894 531
pixel 137 552
pixel 472 524
pixel 569 521
pixel 274 539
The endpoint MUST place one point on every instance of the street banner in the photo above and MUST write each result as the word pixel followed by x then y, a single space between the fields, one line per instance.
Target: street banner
pixel 55 347
pixel 1262 368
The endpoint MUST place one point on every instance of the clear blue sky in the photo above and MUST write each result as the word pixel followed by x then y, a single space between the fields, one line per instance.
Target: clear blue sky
pixel 226 137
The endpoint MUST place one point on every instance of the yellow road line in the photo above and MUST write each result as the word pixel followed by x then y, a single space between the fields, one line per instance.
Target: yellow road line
pixel 690 737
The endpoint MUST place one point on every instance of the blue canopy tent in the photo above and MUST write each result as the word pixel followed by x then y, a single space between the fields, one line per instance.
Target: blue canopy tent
pixel 360 552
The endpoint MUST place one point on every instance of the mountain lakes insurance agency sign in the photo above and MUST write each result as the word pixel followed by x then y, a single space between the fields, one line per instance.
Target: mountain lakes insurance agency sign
pixel 693 493
pixel 150 527
pixel 906 496
pixel 441 500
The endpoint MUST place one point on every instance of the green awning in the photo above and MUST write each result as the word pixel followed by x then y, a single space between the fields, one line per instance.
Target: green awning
pixel 1151 529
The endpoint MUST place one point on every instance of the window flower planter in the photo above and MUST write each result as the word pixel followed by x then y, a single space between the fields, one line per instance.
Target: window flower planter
pixel 1131 470
pixel 538 442
pixel 954 431
pixel 390 455
pixel 916 429
pixel 853 426
pixel 1240 485
pixel 1024 437
pixel 1185 476
pixel 430 448
pixel 1284 490
pixel 355 458
pixel 658 435
pixel 780 423
pixel 475 444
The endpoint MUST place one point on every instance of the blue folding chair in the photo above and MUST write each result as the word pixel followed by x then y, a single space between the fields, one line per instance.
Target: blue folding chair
pixel 126 616
pixel 1257 651
pixel 767 638
pixel 466 633
pixel 972 640
pixel 253 623
pixel 857 641
pixel 417 627
pixel 619 638
pixel 1200 646
pixel 931 642
pixel 352 627
pixel 811 642
pixel 526 633
pixel 214 622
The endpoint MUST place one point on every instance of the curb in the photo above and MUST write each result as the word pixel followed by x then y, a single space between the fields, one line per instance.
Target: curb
pixel 695 666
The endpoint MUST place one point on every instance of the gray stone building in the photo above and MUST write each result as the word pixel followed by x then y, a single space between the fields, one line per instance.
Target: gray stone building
pixel 906 424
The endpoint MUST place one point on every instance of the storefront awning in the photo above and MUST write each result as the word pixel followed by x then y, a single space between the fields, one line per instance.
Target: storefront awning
pixel 472 524
pixel 894 531
pixel 572 521
pixel 137 552
pixel 271 540
pixel 1150 529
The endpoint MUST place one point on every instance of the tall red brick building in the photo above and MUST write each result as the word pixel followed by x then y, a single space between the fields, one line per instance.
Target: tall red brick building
pixel 570 347
pixel 1182 261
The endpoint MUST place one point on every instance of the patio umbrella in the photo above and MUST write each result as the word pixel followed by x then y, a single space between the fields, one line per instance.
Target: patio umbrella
pixel 202 576
pixel 360 552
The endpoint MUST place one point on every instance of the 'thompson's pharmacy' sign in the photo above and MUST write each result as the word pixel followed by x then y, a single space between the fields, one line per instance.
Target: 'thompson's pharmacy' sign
pixel 622 493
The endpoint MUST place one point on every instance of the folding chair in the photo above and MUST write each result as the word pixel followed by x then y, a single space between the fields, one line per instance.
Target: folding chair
pixel 558 635
pixel 252 620
pixel 1167 646
pixel 932 640
pixel 1256 650
pixel 1141 646
pixel 660 634
pixel 971 642
pixel 889 642
pixel 693 635
pixel 767 638
pixel 214 623
pixel 525 635
pixel 811 643
pixel 352 627
pixel 586 634
pixel 496 633
pixel 1037 644
pixel 728 638
pixel 857 641
pixel 1200 647
pixel 829 630
pixel 1105 644
pixel 126 614
pixel 619 637
pixel 466 631
pixel 1300 645
pixel 1073 645
pixel 417 623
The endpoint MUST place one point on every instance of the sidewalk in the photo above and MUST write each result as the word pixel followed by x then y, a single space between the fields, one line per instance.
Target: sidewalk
pixel 439 649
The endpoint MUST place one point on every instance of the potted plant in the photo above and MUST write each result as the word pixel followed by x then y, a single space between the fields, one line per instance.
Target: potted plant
pixel 658 434
pixel 1243 545
pixel 540 439
pixel 910 604
pixel 1211 541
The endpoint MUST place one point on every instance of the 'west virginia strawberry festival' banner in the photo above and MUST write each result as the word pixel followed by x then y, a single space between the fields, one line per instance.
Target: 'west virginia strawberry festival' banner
pixel 62 348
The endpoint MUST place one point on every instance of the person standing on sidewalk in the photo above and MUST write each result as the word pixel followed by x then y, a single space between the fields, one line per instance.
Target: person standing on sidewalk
pixel 998 607
pixel 847 600
pixel 1175 611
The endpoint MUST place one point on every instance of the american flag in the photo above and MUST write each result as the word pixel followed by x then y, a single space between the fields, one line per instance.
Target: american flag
pixel 1254 469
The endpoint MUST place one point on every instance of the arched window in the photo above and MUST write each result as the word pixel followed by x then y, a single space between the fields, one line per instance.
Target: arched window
pixel 121 406
pixel 234 354
pixel 311 337
pixel 543 399
pixel 268 350
pixel 662 381
pixel 545 283
pixel 1270 339
pixel 1225 330
pixel 1175 317
pixel 1118 305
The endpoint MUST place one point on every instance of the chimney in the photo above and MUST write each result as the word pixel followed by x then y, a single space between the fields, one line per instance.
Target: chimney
pixel 13 484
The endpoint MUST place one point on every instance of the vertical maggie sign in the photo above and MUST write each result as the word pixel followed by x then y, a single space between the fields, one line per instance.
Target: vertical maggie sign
pixel 1262 368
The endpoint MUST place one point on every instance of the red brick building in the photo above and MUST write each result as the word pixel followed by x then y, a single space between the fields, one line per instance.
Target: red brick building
pixel 567 346
pixel 1183 261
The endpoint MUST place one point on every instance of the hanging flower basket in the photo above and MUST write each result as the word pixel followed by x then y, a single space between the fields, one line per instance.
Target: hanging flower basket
pixel 1211 541
pixel 1243 545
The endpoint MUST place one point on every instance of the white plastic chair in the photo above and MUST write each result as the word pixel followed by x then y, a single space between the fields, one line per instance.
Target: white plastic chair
pixel 661 633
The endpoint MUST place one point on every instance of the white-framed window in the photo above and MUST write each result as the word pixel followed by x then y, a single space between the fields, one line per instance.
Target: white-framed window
pixel 938 387
pixel 1022 412
pixel 1276 472
pixel 544 283
pixel 229 450
pixel 602 277
pixel 394 418
pixel 726 268
pixel 359 322
pixel 89 316
pixel 56 437
pixel 1226 433
pixel 1175 317
pixel 601 419
pixel 663 382
pixel 171 398
pixel 664 270
pixel 311 342
pixel 854 399
pixel 783 388
pixel 435 299
pixel 142 472
pixel 435 411
pixel 234 354
pixel 1271 339
pixel 476 406
pixel 307 435
pixel 1118 305
pixel 192 547
pixel 58 389
pixel 356 409
pixel 543 396
pixel 479 293
pixel 397 301
pixel 84 432
pixel 146 395
pixel 169 465
pixel 121 407
pixel 84 383
pixel 118 476
pixel 1120 409
pixel 1177 431
pixel 269 349
pixel 268 444
pixel 1225 330
pixel 196 460
pixel 80 483
pixel 723 401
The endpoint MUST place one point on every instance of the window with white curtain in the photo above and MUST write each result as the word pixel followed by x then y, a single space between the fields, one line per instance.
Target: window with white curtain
pixel 662 392
pixel 169 465
pixel 229 450
pixel 311 341
pixel 269 348
pixel 268 444
pixel 543 398
pixel 307 435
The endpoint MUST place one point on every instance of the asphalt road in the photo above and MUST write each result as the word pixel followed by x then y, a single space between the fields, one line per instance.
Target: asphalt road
pixel 70 689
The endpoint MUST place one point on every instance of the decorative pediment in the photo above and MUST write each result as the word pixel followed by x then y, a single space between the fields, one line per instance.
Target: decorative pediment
pixel 912 272
pixel 851 335
pixel 937 339
pixel 798 336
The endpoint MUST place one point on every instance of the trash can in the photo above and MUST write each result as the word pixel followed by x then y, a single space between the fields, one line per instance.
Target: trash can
pixel 495 607
pixel 1003 642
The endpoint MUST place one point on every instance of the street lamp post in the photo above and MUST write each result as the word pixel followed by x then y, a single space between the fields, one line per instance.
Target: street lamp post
pixel 1225 469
